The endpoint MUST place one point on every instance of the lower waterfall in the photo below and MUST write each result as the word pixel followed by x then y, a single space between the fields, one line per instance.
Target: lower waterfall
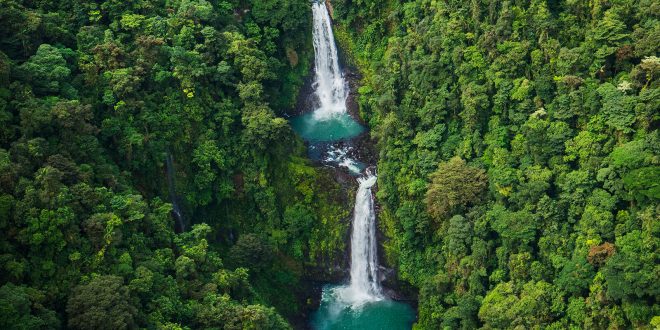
pixel 364 285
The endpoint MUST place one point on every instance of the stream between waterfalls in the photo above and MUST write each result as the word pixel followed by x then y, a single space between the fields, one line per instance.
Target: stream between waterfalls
pixel 330 132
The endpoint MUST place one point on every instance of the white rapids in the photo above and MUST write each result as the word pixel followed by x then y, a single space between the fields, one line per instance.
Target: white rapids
pixel 339 155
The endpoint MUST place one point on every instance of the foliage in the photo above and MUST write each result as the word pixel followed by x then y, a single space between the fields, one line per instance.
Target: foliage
pixel 518 156
pixel 454 185
pixel 103 303
pixel 110 108
pixel 518 170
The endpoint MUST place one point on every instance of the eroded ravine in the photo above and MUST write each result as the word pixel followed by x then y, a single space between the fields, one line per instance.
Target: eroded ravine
pixel 331 132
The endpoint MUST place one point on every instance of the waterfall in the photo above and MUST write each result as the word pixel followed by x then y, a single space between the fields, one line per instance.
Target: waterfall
pixel 360 303
pixel 332 90
pixel 364 285
pixel 329 86
pixel 364 258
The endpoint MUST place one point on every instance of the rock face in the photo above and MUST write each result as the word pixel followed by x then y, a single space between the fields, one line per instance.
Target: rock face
pixel 396 289
pixel 330 10
pixel 352 105
pixel 306 99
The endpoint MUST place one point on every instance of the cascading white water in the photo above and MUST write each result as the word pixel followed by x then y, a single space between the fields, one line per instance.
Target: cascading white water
pixel 332 90
pixel 330 86
pixel 339 155
pixel 360 304
pixel 364 284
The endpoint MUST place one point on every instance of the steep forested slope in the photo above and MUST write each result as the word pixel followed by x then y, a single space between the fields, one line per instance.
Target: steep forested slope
pixel 94 96
pixel 519 156
pixel 519 173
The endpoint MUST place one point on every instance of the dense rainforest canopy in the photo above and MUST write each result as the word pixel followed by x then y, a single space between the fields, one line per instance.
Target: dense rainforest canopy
pixel 519 167
pixel 519 162
pixel 94 98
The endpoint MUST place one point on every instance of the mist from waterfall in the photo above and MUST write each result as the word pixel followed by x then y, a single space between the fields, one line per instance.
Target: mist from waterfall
pixel 329 85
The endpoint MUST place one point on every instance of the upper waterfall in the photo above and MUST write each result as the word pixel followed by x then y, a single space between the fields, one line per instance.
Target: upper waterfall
pixel 330 87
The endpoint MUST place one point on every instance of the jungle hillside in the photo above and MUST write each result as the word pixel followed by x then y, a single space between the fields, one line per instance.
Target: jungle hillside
pixel 150 177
